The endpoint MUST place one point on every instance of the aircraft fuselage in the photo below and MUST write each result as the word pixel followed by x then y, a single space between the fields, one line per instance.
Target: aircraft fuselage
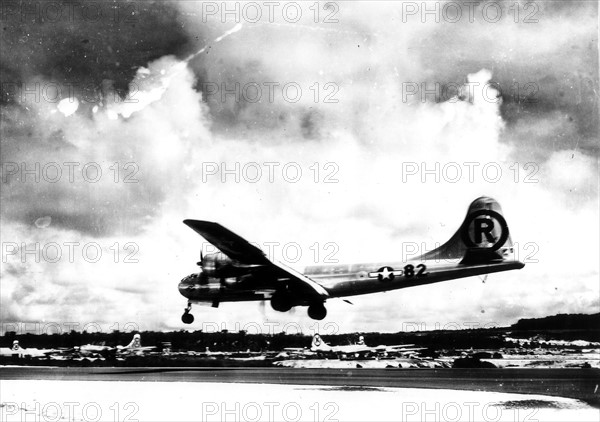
pixel 340 280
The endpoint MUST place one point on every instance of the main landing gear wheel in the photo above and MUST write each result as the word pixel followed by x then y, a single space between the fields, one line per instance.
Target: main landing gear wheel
pixel 317 311
pixel 187 318
pixel 281 302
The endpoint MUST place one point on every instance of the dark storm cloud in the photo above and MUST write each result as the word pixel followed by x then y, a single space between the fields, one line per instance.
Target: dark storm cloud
pixel 546 69
pixel 87 53
pixel 543 61
pixel 85 43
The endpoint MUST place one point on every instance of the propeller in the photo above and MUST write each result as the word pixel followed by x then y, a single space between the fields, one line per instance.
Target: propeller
pixel 201 276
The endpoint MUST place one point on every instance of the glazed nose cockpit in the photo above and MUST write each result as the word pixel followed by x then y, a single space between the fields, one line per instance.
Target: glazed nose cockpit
pixel 188 284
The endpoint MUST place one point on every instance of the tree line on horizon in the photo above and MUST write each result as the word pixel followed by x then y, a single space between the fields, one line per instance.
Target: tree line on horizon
pixel 562 327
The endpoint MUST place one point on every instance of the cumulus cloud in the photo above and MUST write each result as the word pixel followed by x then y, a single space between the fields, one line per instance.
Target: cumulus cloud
pixel 164 125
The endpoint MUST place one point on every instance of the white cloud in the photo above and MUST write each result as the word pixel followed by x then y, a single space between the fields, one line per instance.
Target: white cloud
pixel 368 213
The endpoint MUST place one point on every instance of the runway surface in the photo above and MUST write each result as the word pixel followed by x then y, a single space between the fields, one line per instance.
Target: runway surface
pixel 583 384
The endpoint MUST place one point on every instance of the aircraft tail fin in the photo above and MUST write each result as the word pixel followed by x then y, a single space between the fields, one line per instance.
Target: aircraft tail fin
pixel 482 237
pixel 318 343
pixel 135 343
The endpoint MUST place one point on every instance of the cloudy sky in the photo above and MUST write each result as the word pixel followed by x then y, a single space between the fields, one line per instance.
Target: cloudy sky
pixel 118 117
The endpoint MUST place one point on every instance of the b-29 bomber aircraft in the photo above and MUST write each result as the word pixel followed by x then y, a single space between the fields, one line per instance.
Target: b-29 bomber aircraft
pixel 242 272
pixel 318 345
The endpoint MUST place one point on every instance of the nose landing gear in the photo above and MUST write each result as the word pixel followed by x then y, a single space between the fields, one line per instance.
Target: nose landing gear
pixel 187 318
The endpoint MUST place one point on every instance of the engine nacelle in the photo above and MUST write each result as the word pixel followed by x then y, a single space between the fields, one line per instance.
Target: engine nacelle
pixel 219 265
pixel 215 264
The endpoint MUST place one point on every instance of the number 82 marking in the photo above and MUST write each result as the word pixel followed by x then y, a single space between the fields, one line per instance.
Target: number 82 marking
pixel 409 270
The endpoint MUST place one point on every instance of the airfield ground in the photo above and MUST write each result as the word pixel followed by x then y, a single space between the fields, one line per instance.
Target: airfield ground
pixel 235 394
pixel 52 400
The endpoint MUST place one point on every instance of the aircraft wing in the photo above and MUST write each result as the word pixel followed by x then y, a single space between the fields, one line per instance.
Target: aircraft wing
pixel 352 348
pixel 94 348
pixel 239 249
pixel 362 349
pixel 396 347
pixel 47 351
pixel 232 245
pixel 143 348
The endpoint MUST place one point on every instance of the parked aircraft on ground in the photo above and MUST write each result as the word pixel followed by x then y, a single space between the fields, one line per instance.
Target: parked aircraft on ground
pixel 92 351
pixel 319 346
pixel 18 351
